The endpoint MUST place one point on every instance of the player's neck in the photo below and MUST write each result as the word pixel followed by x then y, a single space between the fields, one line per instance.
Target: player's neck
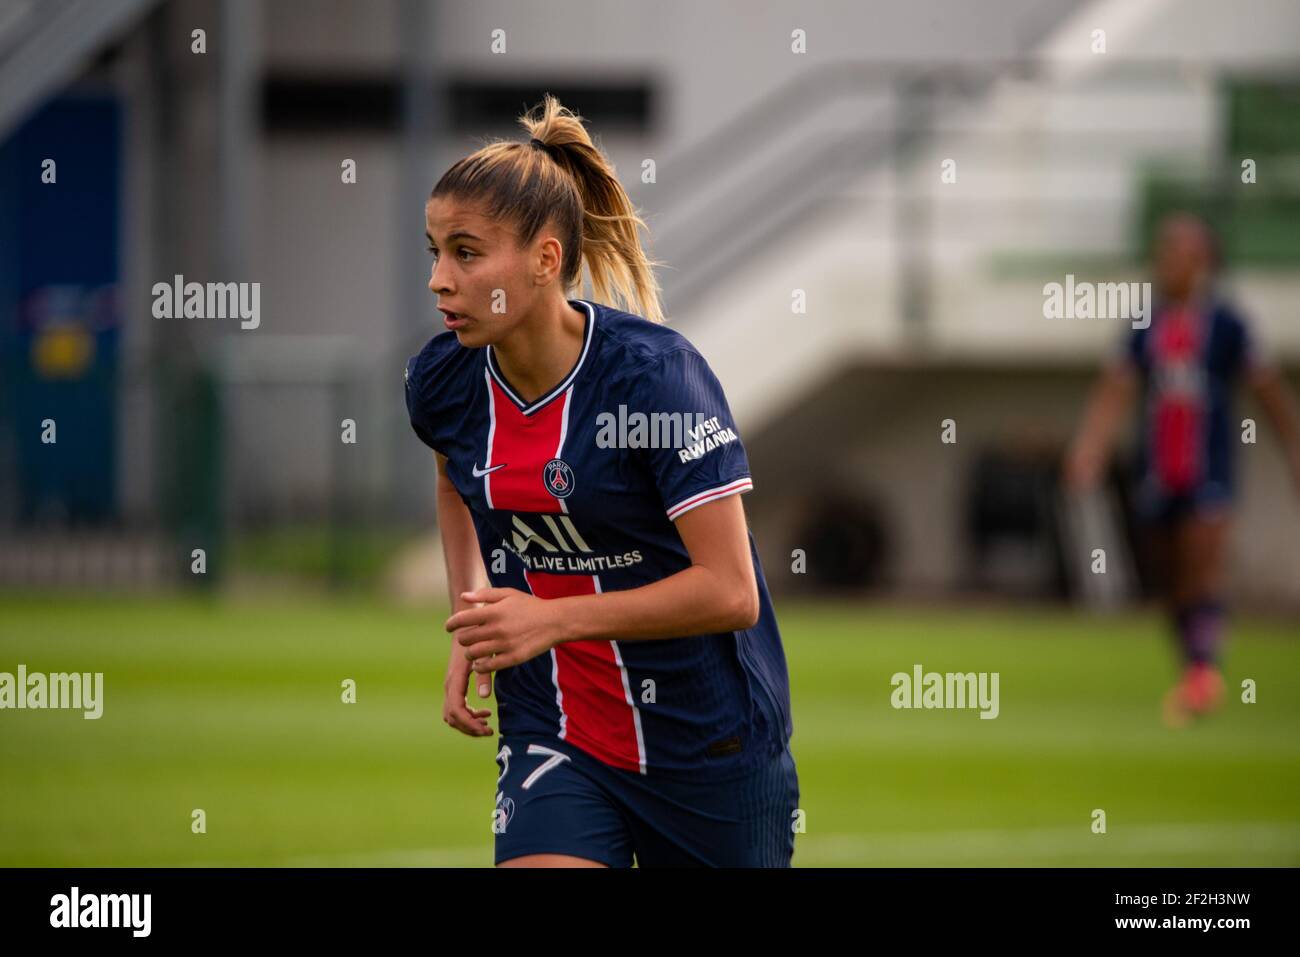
pixel 542 349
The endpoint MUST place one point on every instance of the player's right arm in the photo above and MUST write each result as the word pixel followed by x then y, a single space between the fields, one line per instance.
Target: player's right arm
pixel 465 572
pixel 1107 407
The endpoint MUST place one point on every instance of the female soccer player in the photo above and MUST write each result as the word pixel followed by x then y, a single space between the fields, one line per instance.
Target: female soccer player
pixel 590 471
pixel 1187 362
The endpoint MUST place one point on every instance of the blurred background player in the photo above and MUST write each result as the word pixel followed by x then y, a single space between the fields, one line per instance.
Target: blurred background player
pixel 1186 365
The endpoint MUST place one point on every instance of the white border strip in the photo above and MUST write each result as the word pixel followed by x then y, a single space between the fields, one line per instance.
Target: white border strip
pixel 708 495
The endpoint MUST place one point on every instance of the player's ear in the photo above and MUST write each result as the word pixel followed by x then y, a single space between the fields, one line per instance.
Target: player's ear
pixel 553 258
pixel 547 259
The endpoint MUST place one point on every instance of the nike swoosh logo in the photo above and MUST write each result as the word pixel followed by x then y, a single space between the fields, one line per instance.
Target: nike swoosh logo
pixel 478 472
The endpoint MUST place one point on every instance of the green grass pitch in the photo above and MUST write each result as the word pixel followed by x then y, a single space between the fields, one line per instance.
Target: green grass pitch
pixel 235 708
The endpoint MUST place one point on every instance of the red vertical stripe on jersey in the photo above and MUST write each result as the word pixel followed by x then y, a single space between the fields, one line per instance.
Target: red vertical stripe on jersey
pixel 1178 408
pixel 597 715
pixel 599 719
pixel 525 443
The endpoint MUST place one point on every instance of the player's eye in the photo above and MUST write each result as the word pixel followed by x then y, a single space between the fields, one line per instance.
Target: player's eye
pixel 434 251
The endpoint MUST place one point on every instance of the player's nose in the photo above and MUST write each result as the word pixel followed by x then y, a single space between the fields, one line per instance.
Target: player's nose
pixel 437 283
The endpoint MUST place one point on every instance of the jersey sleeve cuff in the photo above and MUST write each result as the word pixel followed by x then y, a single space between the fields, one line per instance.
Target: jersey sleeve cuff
pixel 734 487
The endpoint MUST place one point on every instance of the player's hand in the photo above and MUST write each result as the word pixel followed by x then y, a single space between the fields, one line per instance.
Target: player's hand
pixel 509 628
pixel 455 703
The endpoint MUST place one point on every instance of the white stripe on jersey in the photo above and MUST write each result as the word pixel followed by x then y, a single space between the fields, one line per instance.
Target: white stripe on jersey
pixel 708 495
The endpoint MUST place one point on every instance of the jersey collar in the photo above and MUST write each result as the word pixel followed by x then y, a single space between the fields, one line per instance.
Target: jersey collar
pixel 528 408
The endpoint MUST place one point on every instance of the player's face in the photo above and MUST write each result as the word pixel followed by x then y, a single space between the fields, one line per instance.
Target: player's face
pixel 479 273
pixel 1182 257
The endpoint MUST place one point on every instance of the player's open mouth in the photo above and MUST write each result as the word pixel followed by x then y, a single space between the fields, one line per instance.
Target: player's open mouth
pixel 454 320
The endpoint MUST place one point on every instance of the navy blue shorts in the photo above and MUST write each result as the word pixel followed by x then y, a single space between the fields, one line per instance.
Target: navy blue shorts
pixel 553 798
pixel 1160 508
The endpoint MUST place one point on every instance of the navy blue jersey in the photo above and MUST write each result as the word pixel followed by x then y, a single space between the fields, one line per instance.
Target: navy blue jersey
pixel 1189 360
pixel 575 493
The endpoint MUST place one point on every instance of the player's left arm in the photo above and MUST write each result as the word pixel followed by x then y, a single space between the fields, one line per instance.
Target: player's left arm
pixel 1270 391
pixel 1256 365
pixel 718 592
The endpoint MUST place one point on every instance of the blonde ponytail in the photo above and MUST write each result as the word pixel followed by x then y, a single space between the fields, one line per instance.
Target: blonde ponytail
pixel 619 268
pixel 561 176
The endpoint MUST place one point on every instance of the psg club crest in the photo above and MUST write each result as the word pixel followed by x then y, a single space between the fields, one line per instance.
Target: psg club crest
pixel 558 478
pixel 502 814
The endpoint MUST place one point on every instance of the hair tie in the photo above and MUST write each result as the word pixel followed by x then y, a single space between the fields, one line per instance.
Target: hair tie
pixel 536 144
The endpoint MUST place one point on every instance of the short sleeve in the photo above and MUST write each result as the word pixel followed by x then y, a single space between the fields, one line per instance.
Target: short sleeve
pixel 1249 352
pixel 430 395
pixel 693 452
